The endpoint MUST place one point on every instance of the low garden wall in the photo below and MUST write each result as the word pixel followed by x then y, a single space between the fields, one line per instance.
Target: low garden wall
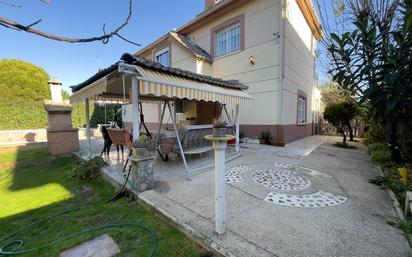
pixel 30 136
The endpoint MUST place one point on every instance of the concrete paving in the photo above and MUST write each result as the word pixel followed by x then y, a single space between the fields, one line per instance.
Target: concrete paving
pixel 350 218
pixel 101 246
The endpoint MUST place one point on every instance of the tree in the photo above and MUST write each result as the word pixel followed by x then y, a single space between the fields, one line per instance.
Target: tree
pixel 332 93
pixel 23 88
pixel 105 37
pixel 374 60
pixel 339 115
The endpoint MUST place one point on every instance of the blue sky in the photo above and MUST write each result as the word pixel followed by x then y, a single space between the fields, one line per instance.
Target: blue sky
pixel 73 63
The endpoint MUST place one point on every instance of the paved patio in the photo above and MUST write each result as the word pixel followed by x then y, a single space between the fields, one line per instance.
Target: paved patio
pixel 306 199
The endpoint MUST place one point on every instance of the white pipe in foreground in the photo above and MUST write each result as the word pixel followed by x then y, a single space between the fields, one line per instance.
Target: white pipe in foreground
pixel 220 144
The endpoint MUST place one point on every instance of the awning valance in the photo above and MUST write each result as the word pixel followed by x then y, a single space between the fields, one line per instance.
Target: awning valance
pixel 158 85
pixel 161 84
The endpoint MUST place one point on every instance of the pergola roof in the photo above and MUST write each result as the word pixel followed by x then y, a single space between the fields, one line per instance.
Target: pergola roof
pixel 157 82
pixel 135 60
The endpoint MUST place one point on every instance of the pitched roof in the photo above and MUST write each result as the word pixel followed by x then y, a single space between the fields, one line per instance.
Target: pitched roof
pixel 191 46
pixel 135 60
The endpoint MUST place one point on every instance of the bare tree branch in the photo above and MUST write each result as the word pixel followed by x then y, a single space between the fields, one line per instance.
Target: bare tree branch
pixel 9 4
pixel 104 38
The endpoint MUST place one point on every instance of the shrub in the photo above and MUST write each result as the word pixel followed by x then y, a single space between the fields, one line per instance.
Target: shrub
pixel 88 169
pixel 344 145
pixel 374 134
pixel 377 147
pixel 382 157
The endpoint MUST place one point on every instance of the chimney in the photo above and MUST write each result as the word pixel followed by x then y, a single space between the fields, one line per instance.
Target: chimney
pixel 56 90
pixel 209 3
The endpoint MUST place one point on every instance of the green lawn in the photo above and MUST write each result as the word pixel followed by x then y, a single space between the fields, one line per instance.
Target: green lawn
pixel 34 186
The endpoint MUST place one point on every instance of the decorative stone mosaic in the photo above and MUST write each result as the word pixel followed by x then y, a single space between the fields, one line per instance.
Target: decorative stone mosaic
pixel 281 179
pixel 315 200
pixel 234 174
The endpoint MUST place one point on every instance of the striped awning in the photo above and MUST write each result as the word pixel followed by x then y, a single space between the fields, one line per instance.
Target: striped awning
pixel 158 85
pixel 161 84
pixel 94 90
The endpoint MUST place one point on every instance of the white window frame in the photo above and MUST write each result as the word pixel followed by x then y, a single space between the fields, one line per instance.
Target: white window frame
pixel 301 110
pixel 161 52
pixel 227 29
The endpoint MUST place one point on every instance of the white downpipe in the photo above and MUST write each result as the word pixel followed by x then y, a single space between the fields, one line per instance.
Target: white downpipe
pixel 88 133
pixel 135 109
pixel 237 129
pixel 282 15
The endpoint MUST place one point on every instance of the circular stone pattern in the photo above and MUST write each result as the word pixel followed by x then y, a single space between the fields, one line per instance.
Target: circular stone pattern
pixel 281 179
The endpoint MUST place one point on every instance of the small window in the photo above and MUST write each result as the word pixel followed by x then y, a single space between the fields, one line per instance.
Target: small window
pixel 163 57
pixel 301 110
pixel 227 40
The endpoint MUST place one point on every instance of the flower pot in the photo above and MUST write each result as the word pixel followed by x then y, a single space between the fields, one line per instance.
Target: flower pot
pixel 219 132
pixel 262 141
pixel 281 144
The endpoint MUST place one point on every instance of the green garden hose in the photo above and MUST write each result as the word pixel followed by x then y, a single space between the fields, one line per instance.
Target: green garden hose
pixel 6 247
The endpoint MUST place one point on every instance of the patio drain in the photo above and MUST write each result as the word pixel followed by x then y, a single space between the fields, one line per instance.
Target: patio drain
pixel 234 174
pixel 280 179
pixel 315 200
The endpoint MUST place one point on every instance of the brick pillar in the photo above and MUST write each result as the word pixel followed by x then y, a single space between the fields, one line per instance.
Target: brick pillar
pixel 62 138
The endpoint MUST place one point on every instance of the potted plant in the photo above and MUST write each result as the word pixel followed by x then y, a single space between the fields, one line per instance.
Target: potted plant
pixel 265 137
pixel 139 145
pixel 278 142
pixel 219 128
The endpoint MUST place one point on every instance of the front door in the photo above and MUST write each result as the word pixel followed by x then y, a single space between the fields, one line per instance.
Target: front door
pixel 207 112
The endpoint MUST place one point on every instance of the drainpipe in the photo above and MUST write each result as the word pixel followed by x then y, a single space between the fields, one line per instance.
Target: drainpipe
pixel 282 15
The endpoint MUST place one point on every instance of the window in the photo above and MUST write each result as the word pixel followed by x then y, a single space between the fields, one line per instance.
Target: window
pixel 301 110
pixel 227 40
pixel 163 57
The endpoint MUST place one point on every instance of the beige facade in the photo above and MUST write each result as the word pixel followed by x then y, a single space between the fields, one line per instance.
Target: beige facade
pixel 276 60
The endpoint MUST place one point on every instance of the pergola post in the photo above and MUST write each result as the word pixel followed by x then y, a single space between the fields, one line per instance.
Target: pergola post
pixel 88 134
pixel 135 109
pixel 182 153
pixel 237 124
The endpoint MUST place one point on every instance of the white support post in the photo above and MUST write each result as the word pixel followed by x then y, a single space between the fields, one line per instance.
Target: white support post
pixel 182 153
pixel 220 145
pixel 135 109
pixel 237 124
pixel 220 186
pixel 88 134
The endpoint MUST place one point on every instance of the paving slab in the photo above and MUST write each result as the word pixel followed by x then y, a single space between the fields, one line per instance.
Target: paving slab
pixel 101 246
pixel 341 214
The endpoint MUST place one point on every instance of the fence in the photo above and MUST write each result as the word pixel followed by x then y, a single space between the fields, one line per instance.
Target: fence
pixel 358 128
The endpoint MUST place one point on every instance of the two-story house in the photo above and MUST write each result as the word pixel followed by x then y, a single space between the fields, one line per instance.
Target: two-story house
pixel 268 45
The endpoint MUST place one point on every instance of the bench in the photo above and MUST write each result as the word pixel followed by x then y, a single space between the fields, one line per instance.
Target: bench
pixel 193 138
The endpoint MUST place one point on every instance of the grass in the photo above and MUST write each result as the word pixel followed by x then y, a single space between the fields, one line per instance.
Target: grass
pixel 34 186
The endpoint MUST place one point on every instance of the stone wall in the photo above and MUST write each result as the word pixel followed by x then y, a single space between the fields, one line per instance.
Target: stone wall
pixel 30 136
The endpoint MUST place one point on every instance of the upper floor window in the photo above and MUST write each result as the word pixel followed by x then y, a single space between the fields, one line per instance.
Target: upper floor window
pixel 163 57
pixel 301 110
pixel 227 40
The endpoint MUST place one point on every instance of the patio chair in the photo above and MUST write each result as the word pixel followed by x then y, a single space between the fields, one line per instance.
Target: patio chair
pixel 122 137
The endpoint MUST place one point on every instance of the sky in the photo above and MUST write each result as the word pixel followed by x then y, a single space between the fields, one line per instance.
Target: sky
pixel 74 63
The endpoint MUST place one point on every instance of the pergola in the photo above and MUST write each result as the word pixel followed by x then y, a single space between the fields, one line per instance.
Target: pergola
pixel 134 80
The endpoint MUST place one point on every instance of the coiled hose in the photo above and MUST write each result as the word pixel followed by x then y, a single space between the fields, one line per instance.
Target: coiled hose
pixel 4 244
